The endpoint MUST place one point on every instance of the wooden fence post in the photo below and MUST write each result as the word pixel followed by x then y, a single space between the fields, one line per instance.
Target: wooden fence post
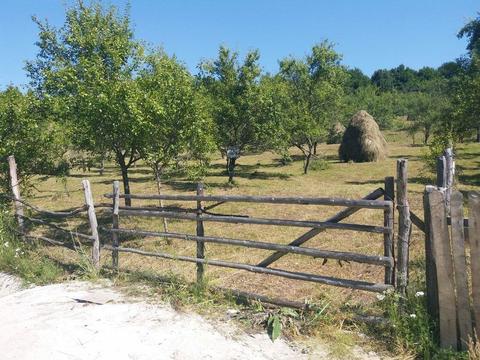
pixel 404 227
pixel 115 222
pixel 18 206
pixel 388 219
pixel 474 237
pixel 92 218
pixel 200 232
pixel 460 269
pixel 442 254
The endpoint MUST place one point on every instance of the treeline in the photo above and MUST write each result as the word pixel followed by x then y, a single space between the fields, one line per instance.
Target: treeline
pixel 97 92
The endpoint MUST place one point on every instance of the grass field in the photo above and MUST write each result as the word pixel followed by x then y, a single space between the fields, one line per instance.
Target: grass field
pixel 262 174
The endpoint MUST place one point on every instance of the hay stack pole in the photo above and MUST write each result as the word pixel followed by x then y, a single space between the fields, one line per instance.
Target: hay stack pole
pixel 363 140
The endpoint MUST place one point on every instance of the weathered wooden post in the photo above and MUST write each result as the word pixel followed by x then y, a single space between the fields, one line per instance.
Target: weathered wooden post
pixel 450 176
pixel 441 172
pixel 441 255
pixel 460 269
pixel 388 219
pixel 92 218
pixel 404 226
pixel 115 223
pixel 430 265
pixel 200 232
pixel 18 206
pixel 474 232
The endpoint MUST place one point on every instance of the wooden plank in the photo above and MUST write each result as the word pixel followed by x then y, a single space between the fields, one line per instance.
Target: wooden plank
pixel 284 249
pixel 404 227
pixel 18 205
pixel 92 218
pixel 430 261
pixel 417 221
pixel 444 269
pixel 298 200
pixel 258 221
pixel 115 222
pixel 450 176
pixel 388 215
pixel 474 233
pixel 315 231
pixel 460 267
pixel 200 233
pixel 327 280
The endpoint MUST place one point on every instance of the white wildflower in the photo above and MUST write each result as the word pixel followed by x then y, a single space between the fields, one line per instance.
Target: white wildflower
pixel 413 316
pixel 380 296
pixel 419 293
pixel 5 244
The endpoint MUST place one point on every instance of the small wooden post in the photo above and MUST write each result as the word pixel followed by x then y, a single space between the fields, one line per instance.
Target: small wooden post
pixel 441 172
pixel 404 226
pixel 460 269
pixel 474 233
pixel 442 253
pixel 18 206
pixel 430 261
pixel 92 218
pixel 115 222
pixel 388 216
pixel 200 232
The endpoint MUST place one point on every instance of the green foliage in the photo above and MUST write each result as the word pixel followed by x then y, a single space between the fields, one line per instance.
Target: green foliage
pixel 33 139
pixel 410 327
pixel 16 257
pixel 319 164
pixel 274 327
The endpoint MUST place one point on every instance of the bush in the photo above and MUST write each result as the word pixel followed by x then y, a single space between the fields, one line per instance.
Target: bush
pixel 319 164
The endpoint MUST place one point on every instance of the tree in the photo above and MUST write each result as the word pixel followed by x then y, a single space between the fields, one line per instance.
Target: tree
pixel 177 122
pixel 87 70
pixel 32 138
pixel 315 89
pixel 233 89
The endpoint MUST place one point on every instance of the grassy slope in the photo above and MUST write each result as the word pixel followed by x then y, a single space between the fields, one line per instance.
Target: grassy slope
pixel 261 175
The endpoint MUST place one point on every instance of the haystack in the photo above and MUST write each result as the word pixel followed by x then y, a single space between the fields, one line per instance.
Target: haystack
pixel 363 141
pixel 335 134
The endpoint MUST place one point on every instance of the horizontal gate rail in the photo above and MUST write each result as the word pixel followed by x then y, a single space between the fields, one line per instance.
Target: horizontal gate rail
pixel 316 253
pixel 352 284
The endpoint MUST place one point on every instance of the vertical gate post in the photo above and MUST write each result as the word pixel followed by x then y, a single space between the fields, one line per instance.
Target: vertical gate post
pixel 92 218
pixel 388 219
pixel 441 172
pixel 18 206
pixel 200 232
pixel 115 223
pixel 404 226
pixel 450 176
pixel 474 232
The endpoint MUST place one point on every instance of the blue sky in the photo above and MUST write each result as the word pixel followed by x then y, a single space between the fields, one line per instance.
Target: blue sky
pixel 370 34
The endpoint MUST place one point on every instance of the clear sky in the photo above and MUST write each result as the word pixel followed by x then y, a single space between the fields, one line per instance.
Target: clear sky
pixel 371 34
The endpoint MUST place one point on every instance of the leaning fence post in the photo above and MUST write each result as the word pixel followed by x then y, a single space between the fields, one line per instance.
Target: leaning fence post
pixel 115 222
pixel 200 232
pixel 388 216
pixel 92 218
pixel 18 206
pixel 404 226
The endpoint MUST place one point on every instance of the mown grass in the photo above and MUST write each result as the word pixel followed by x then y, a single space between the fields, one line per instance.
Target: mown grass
pixel 263 174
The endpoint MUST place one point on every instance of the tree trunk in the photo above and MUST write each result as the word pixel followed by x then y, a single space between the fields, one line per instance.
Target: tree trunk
pixel 315 147
pixel 158 180
pixel 426 136
pixel 102 165
pixel 126 182
pixel 231 169
pixel 307 162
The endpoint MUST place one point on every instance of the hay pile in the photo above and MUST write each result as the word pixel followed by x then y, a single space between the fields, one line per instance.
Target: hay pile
pixel 363 141
pixel 335 134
